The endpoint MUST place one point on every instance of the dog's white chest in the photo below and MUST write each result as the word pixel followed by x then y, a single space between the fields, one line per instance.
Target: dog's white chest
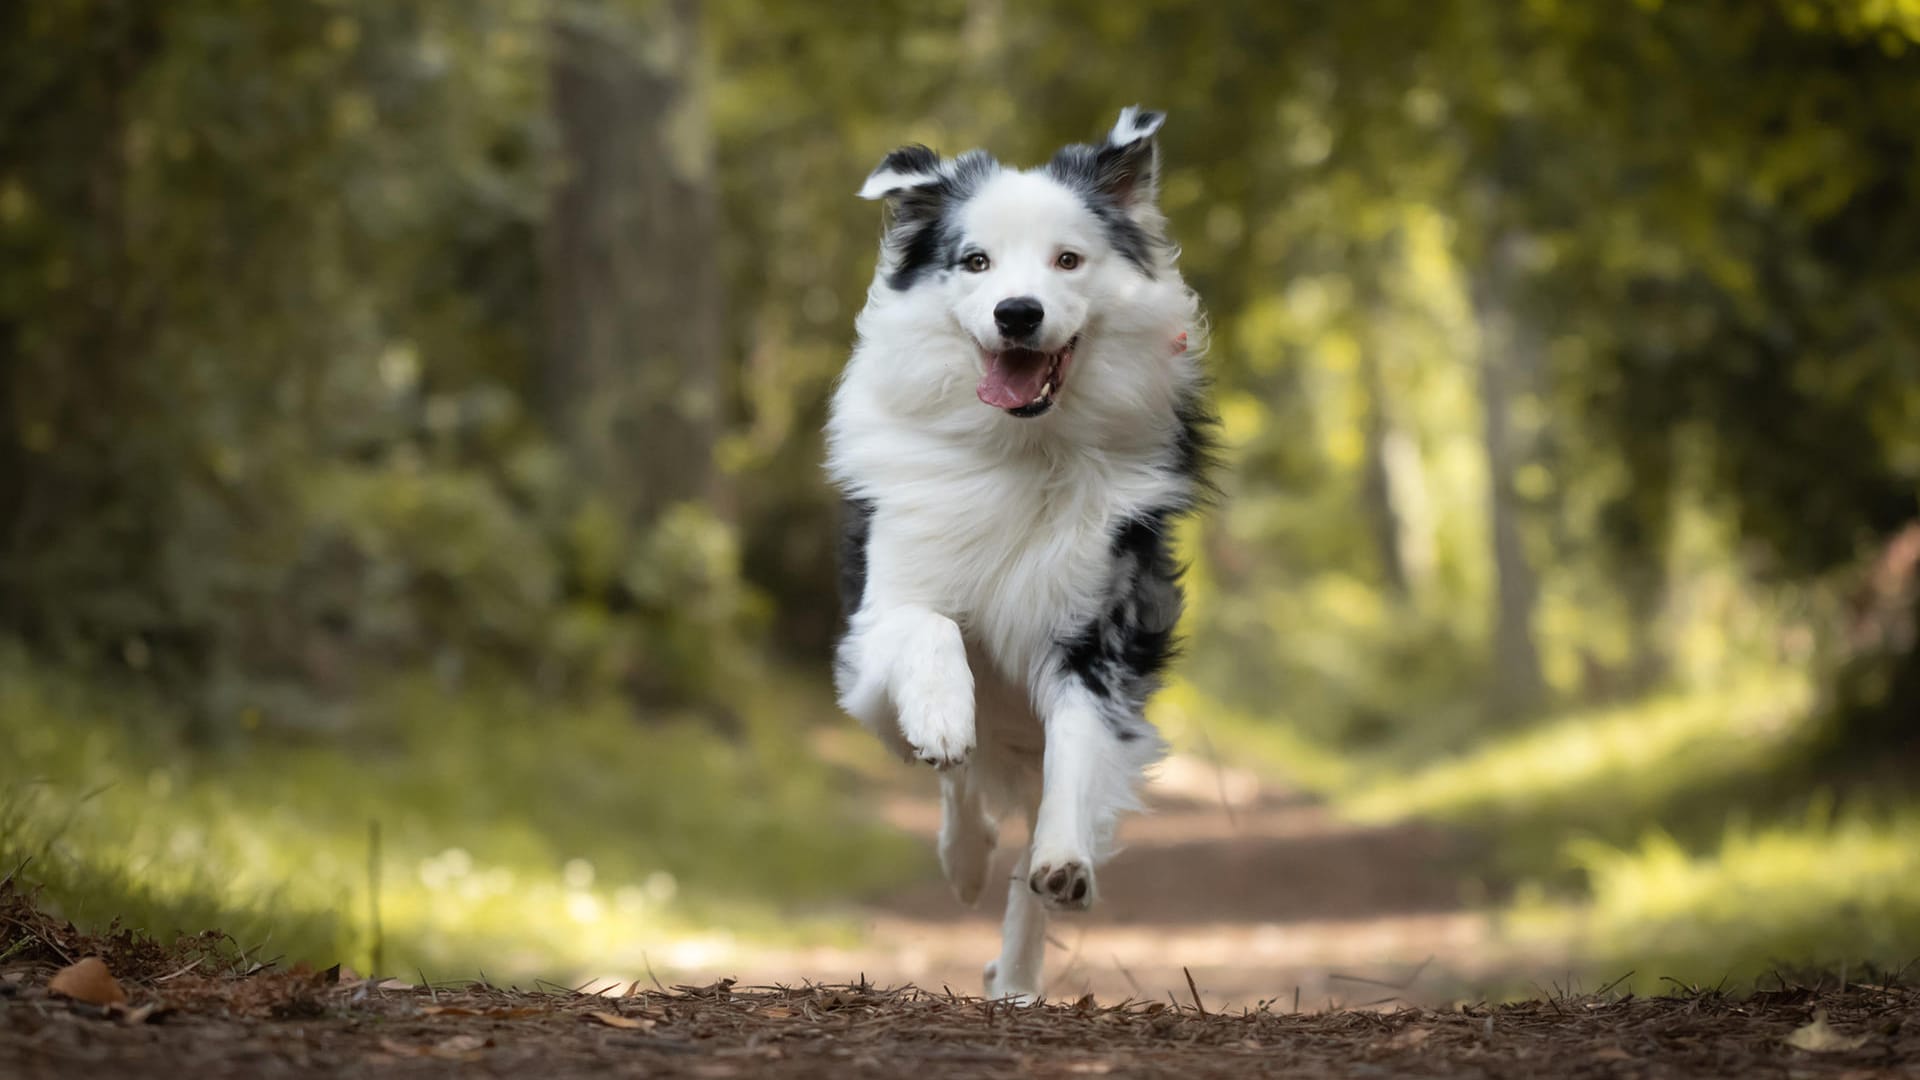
pixel 1018 556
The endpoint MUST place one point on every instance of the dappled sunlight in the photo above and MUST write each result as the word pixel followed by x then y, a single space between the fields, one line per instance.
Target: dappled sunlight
pixel 524 865
pixel 1833 895
pixel 1623 760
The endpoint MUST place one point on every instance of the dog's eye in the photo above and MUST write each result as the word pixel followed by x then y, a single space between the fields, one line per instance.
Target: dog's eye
pixel 976 263
pixel 1067 260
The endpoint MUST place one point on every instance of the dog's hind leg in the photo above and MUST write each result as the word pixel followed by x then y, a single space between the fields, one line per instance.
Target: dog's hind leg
pixel 1023 942
pixel 966 834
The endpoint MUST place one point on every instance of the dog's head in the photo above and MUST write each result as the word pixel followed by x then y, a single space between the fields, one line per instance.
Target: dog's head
pixel 1024 262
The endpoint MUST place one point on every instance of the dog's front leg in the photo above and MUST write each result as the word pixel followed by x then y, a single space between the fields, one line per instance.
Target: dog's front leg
pixel 907 665
pixel 1097 749
pixel 1061 873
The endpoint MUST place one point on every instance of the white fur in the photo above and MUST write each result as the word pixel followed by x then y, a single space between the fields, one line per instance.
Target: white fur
pixel 991 538
pixel 885 182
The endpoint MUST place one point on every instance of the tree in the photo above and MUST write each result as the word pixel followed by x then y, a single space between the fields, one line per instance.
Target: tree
pixel 632 370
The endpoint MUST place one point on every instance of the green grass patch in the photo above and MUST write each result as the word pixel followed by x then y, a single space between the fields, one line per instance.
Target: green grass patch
pixel 1680 836
pixel 516 835
pixel 1683 759
pixel 1830 895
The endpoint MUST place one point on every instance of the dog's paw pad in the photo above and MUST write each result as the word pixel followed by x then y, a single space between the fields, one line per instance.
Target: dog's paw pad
pixel 1066 886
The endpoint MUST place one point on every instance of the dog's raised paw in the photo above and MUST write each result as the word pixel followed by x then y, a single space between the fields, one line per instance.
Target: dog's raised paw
pixel 1064 886
pixel 940 735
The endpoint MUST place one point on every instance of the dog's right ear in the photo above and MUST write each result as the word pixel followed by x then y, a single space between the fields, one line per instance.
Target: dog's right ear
pixel 906 169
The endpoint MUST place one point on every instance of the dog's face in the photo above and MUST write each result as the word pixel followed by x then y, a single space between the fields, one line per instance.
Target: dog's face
pixel 1022 261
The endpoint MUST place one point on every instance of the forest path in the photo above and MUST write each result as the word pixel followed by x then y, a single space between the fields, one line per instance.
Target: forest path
pixel 1273 895
pixel 1262 894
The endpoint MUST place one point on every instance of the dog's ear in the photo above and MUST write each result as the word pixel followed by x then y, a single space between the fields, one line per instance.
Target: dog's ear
pixel 1128 166
pixel 906 169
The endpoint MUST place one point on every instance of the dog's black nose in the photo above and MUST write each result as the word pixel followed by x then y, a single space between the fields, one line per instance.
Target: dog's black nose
pixel 1019 316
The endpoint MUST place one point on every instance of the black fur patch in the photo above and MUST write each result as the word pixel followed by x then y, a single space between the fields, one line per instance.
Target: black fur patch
pixel 923 238
pixel 1120 655
pixel 856 523
pixel 910 161
pixel 1110 180
pixel 1196 446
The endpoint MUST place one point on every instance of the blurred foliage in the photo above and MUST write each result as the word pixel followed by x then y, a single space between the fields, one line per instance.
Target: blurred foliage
pixel 1567 355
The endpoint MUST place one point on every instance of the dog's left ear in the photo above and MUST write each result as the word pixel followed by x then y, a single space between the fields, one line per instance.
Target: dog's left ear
pixel 1129 163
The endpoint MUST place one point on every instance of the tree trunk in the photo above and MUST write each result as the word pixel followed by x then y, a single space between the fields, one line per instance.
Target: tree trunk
pixel 1383 517
pixel 631 381
pixel 1392 491
pixel 1517 687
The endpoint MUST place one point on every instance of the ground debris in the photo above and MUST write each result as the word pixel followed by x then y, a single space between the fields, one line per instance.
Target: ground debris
pixel 191 1011
pixel 87 980
pixel 231 1025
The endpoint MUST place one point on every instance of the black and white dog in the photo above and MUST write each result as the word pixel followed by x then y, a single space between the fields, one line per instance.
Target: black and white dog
pixel 1021 421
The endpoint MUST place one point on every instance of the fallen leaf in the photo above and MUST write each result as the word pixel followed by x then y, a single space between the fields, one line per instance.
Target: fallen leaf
pixel 88 981
pixel 778 1012
pixel 1818 1038
pixel 615 1020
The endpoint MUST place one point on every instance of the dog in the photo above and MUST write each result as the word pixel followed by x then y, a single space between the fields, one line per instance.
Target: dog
pixel 1021 422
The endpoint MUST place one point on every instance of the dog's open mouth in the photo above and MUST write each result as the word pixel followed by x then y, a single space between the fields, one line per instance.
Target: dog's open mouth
pixel 1025 381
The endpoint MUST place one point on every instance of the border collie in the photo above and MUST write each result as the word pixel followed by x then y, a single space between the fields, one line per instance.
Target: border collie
pixel 1021 421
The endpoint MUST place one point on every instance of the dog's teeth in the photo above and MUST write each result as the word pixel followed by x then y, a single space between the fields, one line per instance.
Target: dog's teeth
pixel 1047 390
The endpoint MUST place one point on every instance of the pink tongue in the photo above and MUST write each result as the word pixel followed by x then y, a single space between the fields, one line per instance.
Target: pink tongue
pixel 1014 378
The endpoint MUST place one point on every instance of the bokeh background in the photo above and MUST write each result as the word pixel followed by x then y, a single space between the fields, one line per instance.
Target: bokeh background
pixel 414 550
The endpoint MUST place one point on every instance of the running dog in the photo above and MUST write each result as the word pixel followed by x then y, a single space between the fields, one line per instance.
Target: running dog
pixel 1021 422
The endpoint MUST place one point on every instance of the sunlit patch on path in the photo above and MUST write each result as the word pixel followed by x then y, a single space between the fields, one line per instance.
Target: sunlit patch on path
pixel 1261 895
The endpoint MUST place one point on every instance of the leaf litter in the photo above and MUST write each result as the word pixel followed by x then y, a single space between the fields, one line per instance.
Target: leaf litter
pixel 203 1011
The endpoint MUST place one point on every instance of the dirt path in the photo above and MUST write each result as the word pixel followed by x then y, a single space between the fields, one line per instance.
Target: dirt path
pixel 1275 895
pixel 1262 895
pixel 288 1024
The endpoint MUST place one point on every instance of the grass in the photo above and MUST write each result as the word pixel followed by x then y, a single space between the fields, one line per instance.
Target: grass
pixel 1680 836
pixel 515 835
pixel 1832 896
pixel 1632 757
